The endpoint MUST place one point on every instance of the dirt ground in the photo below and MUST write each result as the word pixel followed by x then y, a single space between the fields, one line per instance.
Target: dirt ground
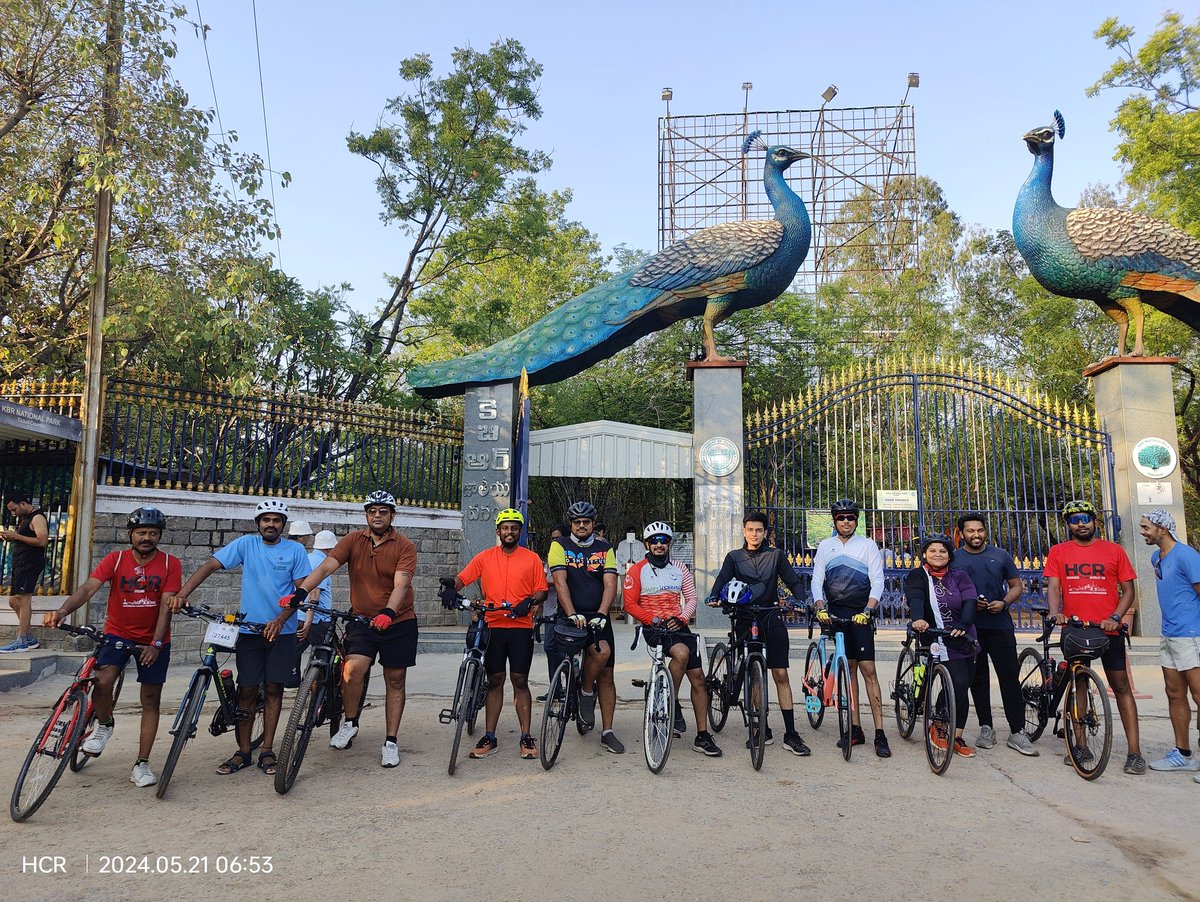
pixel 600 826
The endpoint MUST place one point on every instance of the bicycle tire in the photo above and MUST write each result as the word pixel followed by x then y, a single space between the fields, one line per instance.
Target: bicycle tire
pixel 46 767
pixel 300 725
pixel 904 693
pixel 464 705
pixel 1035 689
pixel 939 715
pixel 658 719
pixel 757 703
pixel 258 723
pixel 814 686
pixel 1088 726
pixel 845 706
pixel 334 706
pixel 477 703
pixel 717 683
pixel 191 704
pixel 555 713
pixel 78 758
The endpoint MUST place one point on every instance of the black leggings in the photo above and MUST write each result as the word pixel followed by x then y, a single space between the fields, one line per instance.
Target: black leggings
pixel 961 672
pixel 1001 647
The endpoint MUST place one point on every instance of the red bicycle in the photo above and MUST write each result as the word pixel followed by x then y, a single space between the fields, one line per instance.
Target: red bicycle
pixel 71 721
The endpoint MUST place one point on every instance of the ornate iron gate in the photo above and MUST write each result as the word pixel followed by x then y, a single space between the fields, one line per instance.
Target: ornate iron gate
pixel 917 443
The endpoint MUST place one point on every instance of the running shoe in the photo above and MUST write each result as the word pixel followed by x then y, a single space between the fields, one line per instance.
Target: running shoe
pixel 882 749
pixel 528 747
pixel 705 745
pixel 142 776
pixel 487 745
pixel 793 743
pixel 99 738
pixel 1135 764
pixel 610 741
pixel 389 755
pixel 987 738
pixel 856 736
pixel 962 749
pixel 344 737
pixel 938 737
pixel 1176 760
pixel 587 709
pixel 680 723
pixel 1022 743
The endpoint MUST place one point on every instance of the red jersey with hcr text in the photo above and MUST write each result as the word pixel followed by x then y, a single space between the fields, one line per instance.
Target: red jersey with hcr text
pixel 1089 574
pixel 136 591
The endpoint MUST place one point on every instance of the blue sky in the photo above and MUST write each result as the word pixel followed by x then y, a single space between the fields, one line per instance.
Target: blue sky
pixel 989 72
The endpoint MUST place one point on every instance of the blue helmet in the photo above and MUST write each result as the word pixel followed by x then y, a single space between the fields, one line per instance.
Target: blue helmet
pixel 736 592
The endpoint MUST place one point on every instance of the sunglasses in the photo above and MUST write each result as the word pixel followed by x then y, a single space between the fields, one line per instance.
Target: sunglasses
pixel 659 540
pixel 1076 519
pixel 840 518
pixel 581 520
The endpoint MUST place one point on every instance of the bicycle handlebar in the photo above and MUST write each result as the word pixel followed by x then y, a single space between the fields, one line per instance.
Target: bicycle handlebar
pixel 204 612
pixel 96 635
pixel 346 616
pixel 1049 624
pixel 662 632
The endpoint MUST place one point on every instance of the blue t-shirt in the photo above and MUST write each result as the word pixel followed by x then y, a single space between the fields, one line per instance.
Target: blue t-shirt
pixel 325 599
pixel 990 570
pixel 268 573
pixel 1175 578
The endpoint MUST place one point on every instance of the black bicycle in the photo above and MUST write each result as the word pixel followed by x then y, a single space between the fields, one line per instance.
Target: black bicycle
pixel 319 698
pixel 222 634
pixel 562 698
pixel 923 684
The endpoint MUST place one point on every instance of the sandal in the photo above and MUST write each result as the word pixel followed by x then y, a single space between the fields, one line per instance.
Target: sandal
pixel 237 761
pixel 267 767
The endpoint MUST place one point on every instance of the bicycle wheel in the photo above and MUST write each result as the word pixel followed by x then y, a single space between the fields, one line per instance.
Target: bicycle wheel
pixel 904 693
pixel 845 706
pixel 1035 687
pixel 49 754
pixel 717 683
pixel 658 719
pixel 78 758
pixel 464 704
pixel 333 699
pixel 258 724
pixel 756 709
pixel 939 717
pixel 301 722
pixel 478 702
pixel 185 729
pixel 555 713
pixel 1087 718
pixel 814 685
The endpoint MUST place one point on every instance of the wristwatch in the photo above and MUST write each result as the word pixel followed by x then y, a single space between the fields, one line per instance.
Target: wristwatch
pixel 158 643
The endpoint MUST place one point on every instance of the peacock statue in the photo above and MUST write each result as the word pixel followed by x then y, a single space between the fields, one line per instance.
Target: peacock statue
pixel 715 272
pixel 1117 258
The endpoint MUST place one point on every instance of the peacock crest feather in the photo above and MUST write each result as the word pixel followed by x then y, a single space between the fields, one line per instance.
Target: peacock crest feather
pixel 753 140
pixel 1060 124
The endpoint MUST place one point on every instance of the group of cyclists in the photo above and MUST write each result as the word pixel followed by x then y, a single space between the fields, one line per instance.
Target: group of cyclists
pixel 966 588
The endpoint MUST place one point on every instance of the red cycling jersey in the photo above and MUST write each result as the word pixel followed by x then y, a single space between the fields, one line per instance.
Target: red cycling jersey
pixel 662 592
pixel 136 592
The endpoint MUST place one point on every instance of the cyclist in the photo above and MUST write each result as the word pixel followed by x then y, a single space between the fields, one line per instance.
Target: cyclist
pixel 848 579
pixel 550 609
pixel 938 592
pixel 139 577
pixel 506 573
pixel 270 566
pixel 660 588
pixel 1092 579
pixel 584 569
pixel 382 564
pixel 28 540
pixel 761 566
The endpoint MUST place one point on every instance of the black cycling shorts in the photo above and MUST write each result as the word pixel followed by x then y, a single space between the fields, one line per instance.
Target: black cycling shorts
pixel 260 661
pixel 395 647
pixel 860 641
pixel 606 635
pixel 689 640
pixel 512 645
pixel 774 635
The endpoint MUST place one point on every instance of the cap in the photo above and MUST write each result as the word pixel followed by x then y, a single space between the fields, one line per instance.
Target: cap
pixel 324 540
pixel 300 528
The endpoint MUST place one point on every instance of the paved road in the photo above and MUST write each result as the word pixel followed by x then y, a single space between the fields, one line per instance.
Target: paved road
pixel 600 826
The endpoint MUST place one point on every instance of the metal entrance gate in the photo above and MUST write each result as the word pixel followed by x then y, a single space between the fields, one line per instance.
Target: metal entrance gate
pixel 917 443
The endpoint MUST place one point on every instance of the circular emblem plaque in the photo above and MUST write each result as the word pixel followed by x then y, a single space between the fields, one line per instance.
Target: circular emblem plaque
pixel 719 456
pixel 1154 458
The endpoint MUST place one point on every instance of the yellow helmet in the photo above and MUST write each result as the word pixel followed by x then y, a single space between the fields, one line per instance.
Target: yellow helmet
pixel 509 515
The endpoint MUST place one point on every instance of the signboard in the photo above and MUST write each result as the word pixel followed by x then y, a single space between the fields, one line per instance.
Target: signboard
pixel 896 499
pixel 1155 494
pixel 487 489
pixel 1154 458
pixel 719 456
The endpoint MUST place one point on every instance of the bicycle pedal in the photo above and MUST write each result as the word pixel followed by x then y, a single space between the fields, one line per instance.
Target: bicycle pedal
pixel 447 716
pixel 812 704
pixel 640 684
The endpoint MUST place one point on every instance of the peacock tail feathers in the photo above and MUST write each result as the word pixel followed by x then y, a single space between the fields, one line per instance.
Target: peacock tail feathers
pixel 1140 242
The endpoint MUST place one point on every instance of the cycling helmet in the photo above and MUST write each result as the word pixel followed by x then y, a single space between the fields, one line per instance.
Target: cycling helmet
pixel 380 497
pixel 1079 506
pixel 509 515
pixel 581 509
pixel 270 506
pixel 657 528
pixel 844 506
pixel 147 516
pixel 736 592
pixel 938 539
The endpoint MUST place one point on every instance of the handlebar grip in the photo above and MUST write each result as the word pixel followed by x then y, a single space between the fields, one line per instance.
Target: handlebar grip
pixel 637 634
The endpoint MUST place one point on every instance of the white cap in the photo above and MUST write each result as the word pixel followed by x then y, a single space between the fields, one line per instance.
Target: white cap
pixel 324 540
pixel 299 528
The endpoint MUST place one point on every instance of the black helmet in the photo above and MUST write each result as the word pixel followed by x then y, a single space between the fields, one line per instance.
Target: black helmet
pixel 146 516
pixel 844 506
pixel 937 538
pixel 581 509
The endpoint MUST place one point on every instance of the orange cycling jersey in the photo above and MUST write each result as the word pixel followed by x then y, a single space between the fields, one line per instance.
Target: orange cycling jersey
pixel 506 577
pixel 662 592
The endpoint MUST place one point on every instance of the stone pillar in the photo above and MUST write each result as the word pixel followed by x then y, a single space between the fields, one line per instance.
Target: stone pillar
pixel 718 484
pixel 489 418
pixel 1135 404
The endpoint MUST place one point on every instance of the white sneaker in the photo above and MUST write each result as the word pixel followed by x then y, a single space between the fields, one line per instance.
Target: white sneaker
pixel 1021 743
pixel 390 756
pixel 99 739
pixel 987 738
pixel 142 775
pixel 1174 760
pixel 344 737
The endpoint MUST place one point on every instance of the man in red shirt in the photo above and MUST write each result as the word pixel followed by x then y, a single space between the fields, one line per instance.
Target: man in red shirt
pixel 139 578
pixel 506 573
pixel 1092 579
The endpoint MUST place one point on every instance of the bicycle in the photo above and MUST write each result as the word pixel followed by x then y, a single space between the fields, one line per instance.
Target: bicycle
pixel 222 633
pixel 923 683
pixel 827 682
pixel 658 717
pixel 57 744
pixel 1085 711
pixel 319 698
pixel 562 698
pixel 470 692
pixel 742 681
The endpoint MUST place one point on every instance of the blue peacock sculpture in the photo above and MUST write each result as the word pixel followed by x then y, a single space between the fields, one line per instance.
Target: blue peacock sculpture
pixel 1117 258
pixel 715 272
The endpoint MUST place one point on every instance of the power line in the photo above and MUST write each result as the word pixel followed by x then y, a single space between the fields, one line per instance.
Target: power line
pixel 212 83
pixel 270 168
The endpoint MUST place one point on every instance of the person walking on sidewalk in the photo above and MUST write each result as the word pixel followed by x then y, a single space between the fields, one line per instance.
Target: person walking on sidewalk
pixel 29 539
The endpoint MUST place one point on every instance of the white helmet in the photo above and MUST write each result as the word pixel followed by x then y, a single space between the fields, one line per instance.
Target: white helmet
pixel 657 528
pixel 736 592
pixel 270 506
